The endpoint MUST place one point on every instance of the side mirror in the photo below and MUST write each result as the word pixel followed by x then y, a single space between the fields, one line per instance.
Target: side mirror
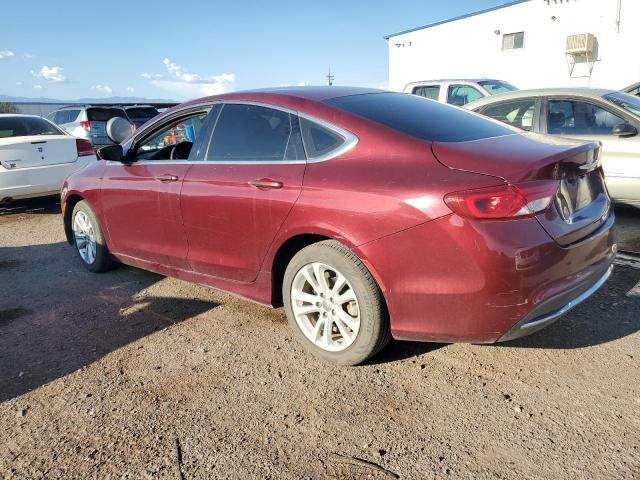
pixel 624 130
pixel 110 152
pixel 118 129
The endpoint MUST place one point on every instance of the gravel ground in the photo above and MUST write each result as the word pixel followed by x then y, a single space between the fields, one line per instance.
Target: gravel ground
pixel 132 375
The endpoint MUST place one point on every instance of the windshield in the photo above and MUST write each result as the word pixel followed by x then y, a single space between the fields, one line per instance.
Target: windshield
pixel 630 103
pixel 25 127
pixel 496 86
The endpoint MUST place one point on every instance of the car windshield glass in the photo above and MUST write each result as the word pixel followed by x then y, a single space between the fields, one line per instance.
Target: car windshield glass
pixel 142 113
pixel 104 114
pixel 630 103
pixel 420 118
pixel 496 86
pixel 26 126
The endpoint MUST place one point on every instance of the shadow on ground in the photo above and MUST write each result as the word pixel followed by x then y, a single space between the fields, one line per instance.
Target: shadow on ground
pixel 55 317
pixel 31 205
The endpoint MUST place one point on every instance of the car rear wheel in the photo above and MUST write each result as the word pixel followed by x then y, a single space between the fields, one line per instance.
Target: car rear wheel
pixel 88 239
pixel 334 305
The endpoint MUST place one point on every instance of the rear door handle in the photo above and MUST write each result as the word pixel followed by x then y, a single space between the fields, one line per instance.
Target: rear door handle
pixel 167 177
pixel 266 184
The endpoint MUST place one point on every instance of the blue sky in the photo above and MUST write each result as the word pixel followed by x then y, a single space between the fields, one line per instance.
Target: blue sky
pixel 186 48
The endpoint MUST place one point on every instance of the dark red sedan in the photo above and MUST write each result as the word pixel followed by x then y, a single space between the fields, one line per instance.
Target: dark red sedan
pixel 367 214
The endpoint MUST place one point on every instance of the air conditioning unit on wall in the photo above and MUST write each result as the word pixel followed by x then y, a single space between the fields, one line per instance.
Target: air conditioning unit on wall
pixel 580 44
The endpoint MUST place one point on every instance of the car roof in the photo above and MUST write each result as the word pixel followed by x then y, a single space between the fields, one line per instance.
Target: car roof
pixel 5 115
pixel 474 80
pixel 594 93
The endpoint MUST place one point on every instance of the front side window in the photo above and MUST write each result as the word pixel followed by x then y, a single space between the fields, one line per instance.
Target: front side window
pixel 462 94
pixel 11 127
pixel 253 133
pixel 427 91
pixel 513 41
pixel 623 100
pixel 572 117
pixel 175 140
pixel 518 113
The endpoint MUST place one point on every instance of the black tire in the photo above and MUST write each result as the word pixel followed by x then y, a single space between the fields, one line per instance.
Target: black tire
pixel 103 259
pixel 374 332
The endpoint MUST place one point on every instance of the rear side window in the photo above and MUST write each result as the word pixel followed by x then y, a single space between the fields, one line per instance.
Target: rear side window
pixel 427 91
pixel 518 113
pixel 319 140
pixel 104 114
pixel 70 116
pixel 415 116
pixel 26 126
pixel 252 133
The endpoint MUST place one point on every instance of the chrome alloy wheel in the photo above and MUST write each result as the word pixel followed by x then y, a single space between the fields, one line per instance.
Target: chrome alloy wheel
pixel 325 307
pixel 85 237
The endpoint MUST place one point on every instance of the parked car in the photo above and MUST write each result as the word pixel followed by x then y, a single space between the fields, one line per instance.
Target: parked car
pixel 140 114
pixel 36 156
pixel 87 121
pixel 608 116
pixel 366 213
pixel 458 92
pixel 633 89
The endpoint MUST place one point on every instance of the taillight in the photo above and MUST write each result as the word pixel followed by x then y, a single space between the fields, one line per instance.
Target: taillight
pixel 84 147
pixel 504 201
pixel 86 125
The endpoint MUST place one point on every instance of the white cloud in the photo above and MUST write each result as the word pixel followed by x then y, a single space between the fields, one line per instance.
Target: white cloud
pixel 302 84
pixel 189 85
pixel 151 76
pixel 52 74
pixel 6 53
pixel 19 84
pixel 130 89
pixel 103 88
pixel 38 87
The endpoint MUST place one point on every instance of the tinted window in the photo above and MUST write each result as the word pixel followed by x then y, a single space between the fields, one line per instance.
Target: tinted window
pixel 26 126
pixel 104 114
pixel 580 118
pixel 141 114
pixel 250 133
pixel 427 91
pixel 518 113
pixel 70 116
pixel 319 140
pixel 420 118
pixel 462 94
pixel 496 86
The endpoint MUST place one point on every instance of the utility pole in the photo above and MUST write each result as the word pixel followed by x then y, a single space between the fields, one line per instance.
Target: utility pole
pixel 330 78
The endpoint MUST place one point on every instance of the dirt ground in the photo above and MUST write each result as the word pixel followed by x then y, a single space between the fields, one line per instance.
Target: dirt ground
pixel 132 375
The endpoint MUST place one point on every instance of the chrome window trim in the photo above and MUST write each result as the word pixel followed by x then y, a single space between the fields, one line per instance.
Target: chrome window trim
pixel 350 140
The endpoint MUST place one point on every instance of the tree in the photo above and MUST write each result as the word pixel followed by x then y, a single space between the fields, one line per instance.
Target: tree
pixel 6 107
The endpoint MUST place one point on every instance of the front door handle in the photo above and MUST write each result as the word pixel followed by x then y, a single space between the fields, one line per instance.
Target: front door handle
pixel 167 177
pixel 266 184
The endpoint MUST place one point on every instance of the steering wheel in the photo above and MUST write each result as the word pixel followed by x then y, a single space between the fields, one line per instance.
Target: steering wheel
pixel 180 151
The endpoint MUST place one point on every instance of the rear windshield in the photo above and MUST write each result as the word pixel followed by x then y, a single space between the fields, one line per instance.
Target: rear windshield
pixel 104 114
pixel 419 117
pixel 142 113
pixel 26 126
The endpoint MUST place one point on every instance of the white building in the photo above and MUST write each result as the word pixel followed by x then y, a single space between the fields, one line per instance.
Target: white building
pixel 530 43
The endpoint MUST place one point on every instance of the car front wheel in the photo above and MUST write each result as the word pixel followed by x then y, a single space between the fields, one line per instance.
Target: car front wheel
pixel 334 305
pixel 88 239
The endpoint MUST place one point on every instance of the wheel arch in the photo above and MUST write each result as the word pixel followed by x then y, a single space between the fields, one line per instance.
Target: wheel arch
pixel 69 203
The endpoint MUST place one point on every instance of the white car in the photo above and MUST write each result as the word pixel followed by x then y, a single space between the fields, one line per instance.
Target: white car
pixel 36 156
pixel 458 91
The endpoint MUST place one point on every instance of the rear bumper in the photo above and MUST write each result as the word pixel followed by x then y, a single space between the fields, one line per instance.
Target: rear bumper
pixel 454 280
pixel 554 308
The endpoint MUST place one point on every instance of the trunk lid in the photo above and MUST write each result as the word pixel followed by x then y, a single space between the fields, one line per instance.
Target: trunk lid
pixel 37 151
pixel 582 203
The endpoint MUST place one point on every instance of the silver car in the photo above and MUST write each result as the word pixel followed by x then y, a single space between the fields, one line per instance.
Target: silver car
pixel 88 122
pixel 458 91
pixel 610 116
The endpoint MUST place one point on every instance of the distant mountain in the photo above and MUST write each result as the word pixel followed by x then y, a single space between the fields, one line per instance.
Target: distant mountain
pixel 8 98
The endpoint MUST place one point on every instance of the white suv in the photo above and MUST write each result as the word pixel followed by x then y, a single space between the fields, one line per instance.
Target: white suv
pixel 458 92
